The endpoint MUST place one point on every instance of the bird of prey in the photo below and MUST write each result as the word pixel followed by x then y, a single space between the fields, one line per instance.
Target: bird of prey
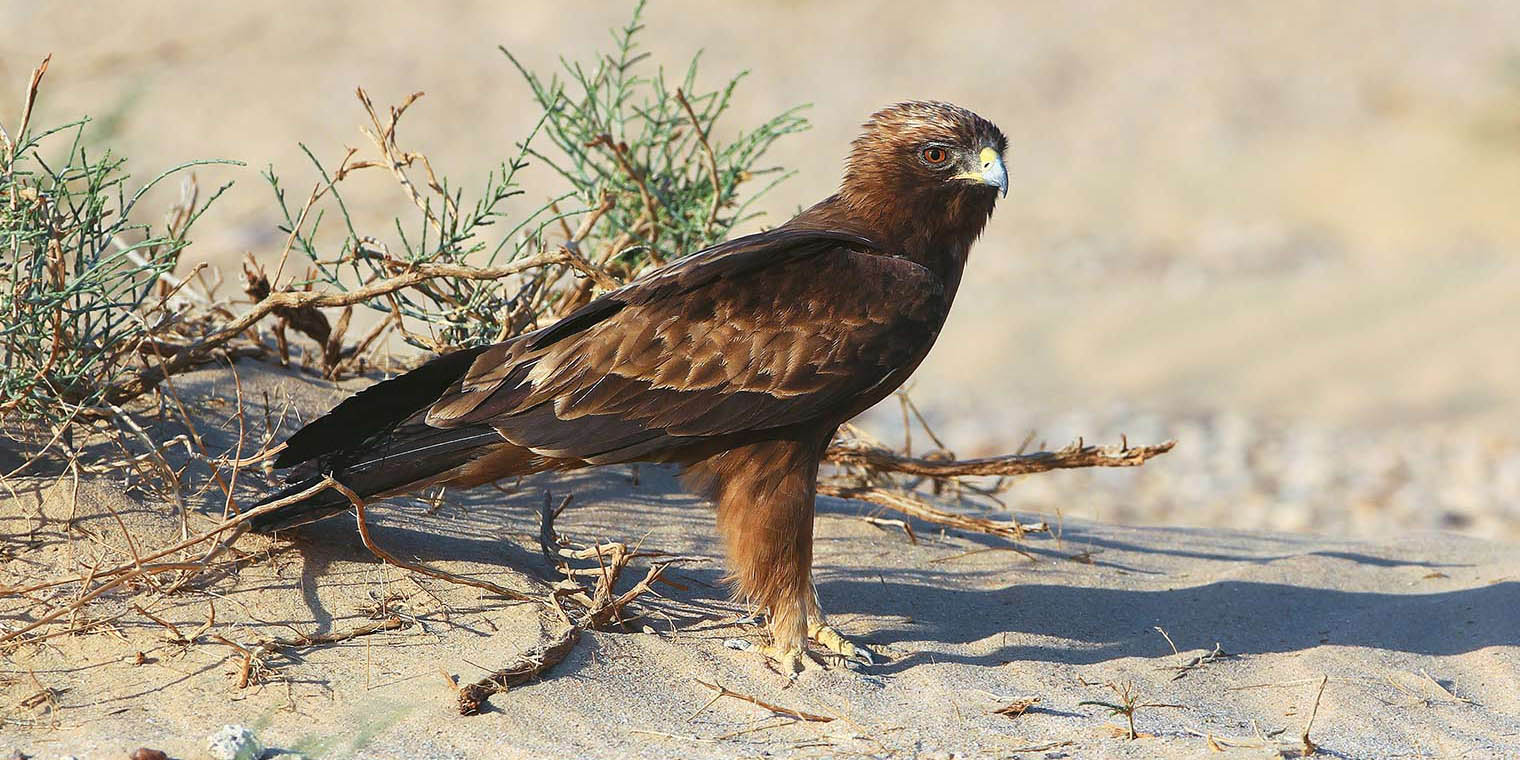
pixel 736 363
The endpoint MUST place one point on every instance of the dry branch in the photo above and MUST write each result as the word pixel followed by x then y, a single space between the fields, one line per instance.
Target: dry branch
pixel 321 639
pixel 908 503
pixel 146 379
pixel 619 151
pixel 139 568
pixel 874 473
pixel 385 556
pixel 724 691
pixel 1309 747
pixel 879 459
pixel 384 138
pixel 707 154
pixel 535 662
pixel 601 607
pixel 1017 707
pixel 306 319
pixel 11 145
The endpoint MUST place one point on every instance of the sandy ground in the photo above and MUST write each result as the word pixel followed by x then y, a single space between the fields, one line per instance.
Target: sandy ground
pixel 1415 634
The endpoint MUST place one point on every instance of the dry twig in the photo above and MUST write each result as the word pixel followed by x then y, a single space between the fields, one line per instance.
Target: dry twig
pixel 1309 746
pixel 912 505
pixel 870 469
pixel 879 459
pixel 1130 701
pixel 1017 707
pixel 253 669
pixel 724 691
pixel 144 380
pixel 535 662
pixel 124 573
pixel 707 154
pixel 359 516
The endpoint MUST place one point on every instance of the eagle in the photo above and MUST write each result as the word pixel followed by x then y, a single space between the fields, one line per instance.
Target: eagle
pixel 736 363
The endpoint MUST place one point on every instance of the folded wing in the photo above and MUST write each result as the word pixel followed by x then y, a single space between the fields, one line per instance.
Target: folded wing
pixel 784 328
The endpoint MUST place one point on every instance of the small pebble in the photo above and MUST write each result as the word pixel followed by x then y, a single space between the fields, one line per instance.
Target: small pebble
pixel 147 753
pixel 234 743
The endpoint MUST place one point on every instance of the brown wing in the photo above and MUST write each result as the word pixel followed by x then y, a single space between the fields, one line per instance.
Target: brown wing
pixel 765 332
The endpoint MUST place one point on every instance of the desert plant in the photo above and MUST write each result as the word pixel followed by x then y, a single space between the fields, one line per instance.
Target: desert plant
pixel 1130 700
pixel 646 182
pixel 675 188
pixel 82 280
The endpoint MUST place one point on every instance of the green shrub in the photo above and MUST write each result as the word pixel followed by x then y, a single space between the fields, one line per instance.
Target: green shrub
pixel 81 279
pixel 646 183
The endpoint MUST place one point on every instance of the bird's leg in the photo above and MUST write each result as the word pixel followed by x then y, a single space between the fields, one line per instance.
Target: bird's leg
pixel 787 645
pixel 770 553
pixel 764 493
pixel 829 638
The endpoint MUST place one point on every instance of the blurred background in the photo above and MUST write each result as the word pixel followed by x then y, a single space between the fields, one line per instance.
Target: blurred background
pixel 1286 234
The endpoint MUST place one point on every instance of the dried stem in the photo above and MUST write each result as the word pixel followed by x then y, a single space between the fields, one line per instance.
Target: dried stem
pixel 531 664
pixel 334 637
pixel 126 572
pixel 384 138
pixel 707 153
pixel 620 154
pixel 146 379
pixel 1309 747
pixel 906 502
pixel 1076 455
pixel 724 691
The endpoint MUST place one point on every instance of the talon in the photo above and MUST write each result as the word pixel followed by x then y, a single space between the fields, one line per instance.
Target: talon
pixel 789 660
pixel 834 641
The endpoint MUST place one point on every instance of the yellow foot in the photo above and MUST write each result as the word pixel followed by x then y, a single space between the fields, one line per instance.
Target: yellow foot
pixel 792 660
pixel 835 642
pixel 789 660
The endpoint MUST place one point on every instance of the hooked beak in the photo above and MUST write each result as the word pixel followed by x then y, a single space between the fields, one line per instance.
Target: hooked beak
pixel 993 173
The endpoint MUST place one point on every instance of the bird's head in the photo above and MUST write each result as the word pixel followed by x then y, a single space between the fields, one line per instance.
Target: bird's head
pixel 924 160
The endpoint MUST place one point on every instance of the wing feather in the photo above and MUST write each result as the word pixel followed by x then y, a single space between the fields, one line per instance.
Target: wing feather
pixel 780 329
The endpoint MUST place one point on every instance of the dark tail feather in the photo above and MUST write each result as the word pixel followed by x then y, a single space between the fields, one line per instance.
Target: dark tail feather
pixel 375 443
pixel 406 459
pixel 376 409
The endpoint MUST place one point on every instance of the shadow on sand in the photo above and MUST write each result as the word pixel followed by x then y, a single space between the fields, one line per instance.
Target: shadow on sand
pixel 1096 624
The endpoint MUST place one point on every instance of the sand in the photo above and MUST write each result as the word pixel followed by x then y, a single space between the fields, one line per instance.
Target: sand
pixel 1415 634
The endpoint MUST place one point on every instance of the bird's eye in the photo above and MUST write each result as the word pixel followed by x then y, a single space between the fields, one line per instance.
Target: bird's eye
pixel 934 155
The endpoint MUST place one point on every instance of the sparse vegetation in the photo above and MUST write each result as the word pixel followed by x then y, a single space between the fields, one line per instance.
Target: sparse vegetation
pixel 85 283
pixel 1128 701
pixel 631 138
pixel 1298 260
pixel 646 182
pixel 95 314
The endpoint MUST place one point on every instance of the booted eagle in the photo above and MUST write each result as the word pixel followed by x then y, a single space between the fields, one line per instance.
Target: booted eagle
pixel 736 363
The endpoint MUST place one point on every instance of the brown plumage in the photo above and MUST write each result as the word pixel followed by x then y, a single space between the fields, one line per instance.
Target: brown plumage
pixel 737 363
